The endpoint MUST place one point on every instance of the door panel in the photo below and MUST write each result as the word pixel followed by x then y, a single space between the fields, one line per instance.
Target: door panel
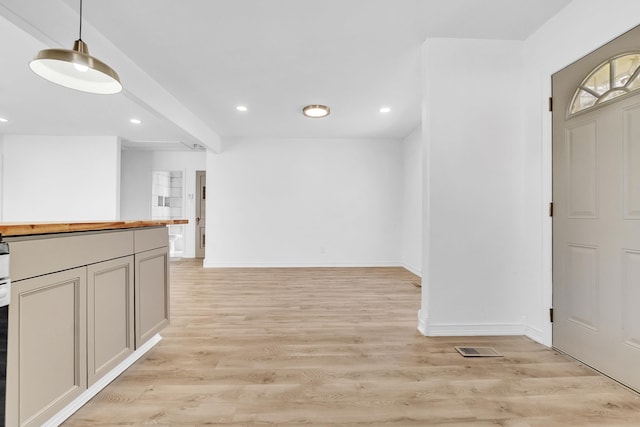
pixel 596 227
pixel 630 297
pixel 201 213
pixel 582 164
pixel 631 146
pixel 582 286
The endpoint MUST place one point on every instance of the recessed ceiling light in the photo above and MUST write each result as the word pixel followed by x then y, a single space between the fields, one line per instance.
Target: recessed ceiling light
pixel 242 108
pixel 385 110
pixel 3 120
pixel 136 121
pixel 316 111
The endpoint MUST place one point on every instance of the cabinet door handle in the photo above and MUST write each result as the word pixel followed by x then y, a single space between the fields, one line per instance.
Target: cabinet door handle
pixel 198 220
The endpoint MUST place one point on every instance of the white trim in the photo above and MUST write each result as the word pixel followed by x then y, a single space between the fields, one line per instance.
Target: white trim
pixel 423 326
pixel 415 271
pixel 478 329
pixel 72 407
pixel 207 264
pixel 547 222
pixel 425 300
pixel 535 334
pixel 487 329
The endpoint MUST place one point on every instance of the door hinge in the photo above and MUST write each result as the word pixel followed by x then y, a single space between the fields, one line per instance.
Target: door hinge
pixel 551 315
pixel 551 209
pixel 550 104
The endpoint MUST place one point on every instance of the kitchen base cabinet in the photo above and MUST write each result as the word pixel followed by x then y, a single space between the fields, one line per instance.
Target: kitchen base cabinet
pixel 152 293
pixel 84 306
pixel 110 317
pixel 49 349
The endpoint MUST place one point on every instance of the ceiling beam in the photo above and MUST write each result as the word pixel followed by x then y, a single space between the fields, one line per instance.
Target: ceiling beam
pixel 55 23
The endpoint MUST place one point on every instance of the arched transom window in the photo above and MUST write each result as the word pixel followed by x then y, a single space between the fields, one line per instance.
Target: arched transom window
pixel 617 77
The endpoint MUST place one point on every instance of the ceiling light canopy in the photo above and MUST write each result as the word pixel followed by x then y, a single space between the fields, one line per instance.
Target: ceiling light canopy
pixel 135 121
pixel 242 108
pixel 385 110
pixel 76 69
pixel 3 120
pixel 316 111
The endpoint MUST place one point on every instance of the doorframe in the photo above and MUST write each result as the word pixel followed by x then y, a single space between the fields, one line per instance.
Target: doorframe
pixel 547 197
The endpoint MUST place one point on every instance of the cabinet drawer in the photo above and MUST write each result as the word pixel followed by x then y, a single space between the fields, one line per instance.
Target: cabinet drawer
pixel 152 238
pixel 35 257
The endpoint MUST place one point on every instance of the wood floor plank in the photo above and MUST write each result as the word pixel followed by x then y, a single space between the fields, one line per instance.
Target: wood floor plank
pixel 339 346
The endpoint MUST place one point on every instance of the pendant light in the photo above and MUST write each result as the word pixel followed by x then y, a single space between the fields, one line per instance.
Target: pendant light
pixel 76 69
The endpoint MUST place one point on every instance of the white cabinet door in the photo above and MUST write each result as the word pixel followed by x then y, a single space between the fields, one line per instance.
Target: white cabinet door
pixel 47 352
pixel 110 318
pixel 151 293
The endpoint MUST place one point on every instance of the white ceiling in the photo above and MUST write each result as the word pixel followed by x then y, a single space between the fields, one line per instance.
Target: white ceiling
pixel 274 56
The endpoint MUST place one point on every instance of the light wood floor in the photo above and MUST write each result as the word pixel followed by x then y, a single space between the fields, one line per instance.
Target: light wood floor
pixel 339 347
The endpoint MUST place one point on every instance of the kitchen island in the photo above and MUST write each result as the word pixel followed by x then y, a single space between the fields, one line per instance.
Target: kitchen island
pixel 87 300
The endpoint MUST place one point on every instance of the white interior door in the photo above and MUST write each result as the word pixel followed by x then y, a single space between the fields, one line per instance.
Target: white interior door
pixel 201 213
pixel 596 219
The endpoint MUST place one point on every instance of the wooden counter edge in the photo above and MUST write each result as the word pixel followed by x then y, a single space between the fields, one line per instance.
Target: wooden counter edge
pixel 36 228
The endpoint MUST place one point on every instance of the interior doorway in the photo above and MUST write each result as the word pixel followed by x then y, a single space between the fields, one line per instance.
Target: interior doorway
pixel 201 213
pixel 167 202
pixel 596 215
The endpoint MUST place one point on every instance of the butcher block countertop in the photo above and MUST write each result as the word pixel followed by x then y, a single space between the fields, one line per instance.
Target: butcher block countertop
pixel 35 228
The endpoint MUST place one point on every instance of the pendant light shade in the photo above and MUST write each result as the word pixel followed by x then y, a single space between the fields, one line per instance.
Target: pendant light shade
pixel 76 69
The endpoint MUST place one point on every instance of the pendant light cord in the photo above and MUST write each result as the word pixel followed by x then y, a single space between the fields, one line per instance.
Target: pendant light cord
pixel 80 35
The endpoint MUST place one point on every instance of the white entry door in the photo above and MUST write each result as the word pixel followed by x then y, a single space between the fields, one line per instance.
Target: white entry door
pixel 596 218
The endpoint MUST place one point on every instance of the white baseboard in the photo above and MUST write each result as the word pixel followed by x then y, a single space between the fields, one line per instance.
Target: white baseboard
pixel 535 334
pixel 459 330
pixel 72 407
pixel 210 264
pixel 488 329
pixel 413 270
pixel 422 324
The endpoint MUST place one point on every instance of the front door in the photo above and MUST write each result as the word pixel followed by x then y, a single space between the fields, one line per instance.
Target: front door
pixel 201 212
pixel 596 220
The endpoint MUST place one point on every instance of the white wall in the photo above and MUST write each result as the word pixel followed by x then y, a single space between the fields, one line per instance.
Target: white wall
pixel 411 250
pixel 580 28
pixel 472 186
pixel 500 94
pixel 60 178
pixel 136 184
pixel 311 202
pixel 137 167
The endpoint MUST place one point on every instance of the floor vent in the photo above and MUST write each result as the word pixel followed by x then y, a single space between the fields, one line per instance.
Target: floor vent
pixel 467 351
